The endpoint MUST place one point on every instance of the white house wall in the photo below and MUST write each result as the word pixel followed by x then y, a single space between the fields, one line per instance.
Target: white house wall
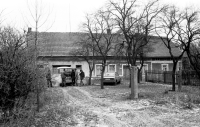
pixel 73 64
pixel 152 65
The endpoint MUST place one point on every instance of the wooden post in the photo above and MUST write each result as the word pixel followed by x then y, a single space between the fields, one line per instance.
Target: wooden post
pixel 164 74
pixel 134 83
pixel 179 80
pixel 145 76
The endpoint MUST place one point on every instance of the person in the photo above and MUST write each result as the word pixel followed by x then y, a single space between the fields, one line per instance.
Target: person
pixel 63 76
pixel 73 77
pixel 76 78
pixel 48 77
pixel 82 76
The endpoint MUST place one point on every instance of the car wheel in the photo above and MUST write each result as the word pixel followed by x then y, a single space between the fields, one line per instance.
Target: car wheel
pixel 115 82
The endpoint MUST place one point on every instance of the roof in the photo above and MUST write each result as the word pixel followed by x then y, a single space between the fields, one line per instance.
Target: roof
pixel 160 50
pixel 58 43
pixel 61 43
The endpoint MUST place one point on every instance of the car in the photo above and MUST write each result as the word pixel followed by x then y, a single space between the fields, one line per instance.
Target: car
pixel 111 77
pixel 67 72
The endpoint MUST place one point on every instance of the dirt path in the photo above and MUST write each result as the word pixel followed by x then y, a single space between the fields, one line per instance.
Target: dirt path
pixel 104 112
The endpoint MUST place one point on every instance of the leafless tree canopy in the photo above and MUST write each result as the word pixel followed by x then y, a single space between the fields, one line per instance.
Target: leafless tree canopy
pixel 16 71
pixel 136 26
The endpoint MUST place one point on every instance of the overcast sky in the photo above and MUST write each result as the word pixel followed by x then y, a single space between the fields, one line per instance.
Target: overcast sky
pixel 62 15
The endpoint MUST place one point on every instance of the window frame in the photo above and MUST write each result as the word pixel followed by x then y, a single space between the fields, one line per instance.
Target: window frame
pixel 109 67
pixel 143 71
pixel 167 65
pixel 96 68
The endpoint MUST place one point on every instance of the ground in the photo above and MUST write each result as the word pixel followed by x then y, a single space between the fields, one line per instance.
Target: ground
pixel 111 107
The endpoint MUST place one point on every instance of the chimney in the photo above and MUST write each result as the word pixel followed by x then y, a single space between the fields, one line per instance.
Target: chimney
pixel 29 29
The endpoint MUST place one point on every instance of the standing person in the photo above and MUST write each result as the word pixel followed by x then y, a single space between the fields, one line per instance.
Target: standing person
pixel 82 76
pixel 48 77
pixel 63 76
pixel 73 77
pixel 76 77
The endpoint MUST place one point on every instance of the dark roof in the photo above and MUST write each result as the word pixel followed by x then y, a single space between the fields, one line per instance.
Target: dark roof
pixel 160 50
pixel 57 43
pixel 61 43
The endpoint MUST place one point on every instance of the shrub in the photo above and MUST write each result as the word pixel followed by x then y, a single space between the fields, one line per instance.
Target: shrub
pixel 18 72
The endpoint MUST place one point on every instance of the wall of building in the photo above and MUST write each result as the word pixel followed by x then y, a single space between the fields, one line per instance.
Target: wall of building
pixel 121 66
pixel 84 65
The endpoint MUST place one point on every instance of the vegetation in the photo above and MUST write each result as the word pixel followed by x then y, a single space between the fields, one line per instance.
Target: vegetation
pixel 17 73
pixel 22 81
pixel 180 29
pixel 86 51
pixel 99 27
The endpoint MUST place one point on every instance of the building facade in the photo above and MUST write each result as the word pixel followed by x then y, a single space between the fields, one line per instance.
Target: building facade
pixel 55 52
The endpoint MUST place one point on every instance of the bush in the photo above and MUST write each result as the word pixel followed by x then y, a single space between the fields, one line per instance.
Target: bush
pixel 18 73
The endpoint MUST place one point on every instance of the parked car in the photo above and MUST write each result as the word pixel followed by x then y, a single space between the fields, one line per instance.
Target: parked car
pixel 111 77
pixel 67 72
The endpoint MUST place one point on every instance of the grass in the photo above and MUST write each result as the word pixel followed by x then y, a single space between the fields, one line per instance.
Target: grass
pixel 54 109
pixel 53 112
pixel 160 94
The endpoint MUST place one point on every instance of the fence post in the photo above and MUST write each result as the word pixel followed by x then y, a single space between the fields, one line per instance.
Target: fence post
pixel 179 80
pixel 145 76
pixel 164 74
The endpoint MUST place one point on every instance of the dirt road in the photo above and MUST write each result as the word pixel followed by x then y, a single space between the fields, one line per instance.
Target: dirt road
pixel 97 111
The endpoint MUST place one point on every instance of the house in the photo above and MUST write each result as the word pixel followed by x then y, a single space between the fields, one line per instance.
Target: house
pixel 55 48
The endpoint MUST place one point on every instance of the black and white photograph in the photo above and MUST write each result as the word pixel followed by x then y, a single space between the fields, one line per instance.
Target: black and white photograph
pixel 100 63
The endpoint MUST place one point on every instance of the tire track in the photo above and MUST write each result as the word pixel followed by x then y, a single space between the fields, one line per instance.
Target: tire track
pixel 109 114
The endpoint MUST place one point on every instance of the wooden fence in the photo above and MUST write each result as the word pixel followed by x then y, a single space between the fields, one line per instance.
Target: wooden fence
pixel 160 76
pixel 188 77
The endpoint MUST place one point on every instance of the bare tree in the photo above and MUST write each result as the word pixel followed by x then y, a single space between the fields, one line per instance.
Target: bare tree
pixel 194 57
pixel 189 36
pixel 85 49
pixel 100 26
pixel 39 17
pixel 142 55
pixel 135 26
pixel 180 30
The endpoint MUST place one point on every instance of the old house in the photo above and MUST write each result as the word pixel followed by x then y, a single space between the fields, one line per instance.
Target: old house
pixel 55 50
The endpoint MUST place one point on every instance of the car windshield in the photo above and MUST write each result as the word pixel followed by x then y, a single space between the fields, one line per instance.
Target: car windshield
pixel 66 69
pixel 109 74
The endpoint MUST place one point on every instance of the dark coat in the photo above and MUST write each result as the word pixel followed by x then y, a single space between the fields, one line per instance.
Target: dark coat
pixel 82 75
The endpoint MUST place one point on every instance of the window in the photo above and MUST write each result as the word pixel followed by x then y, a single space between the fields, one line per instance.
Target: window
pixel 164 67
pixel 98 68
pixel 144 68
pixel 79 67
pixel 111 68
pixel 55 70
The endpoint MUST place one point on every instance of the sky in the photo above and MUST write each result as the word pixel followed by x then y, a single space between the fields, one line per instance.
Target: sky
pixel 60 15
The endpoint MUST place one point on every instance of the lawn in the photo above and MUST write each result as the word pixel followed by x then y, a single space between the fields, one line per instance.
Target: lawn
pixel 188 97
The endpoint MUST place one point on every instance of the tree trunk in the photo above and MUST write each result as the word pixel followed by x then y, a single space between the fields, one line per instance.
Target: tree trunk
pixel 102 73
pixel 130 78
pixel 174 76
pixel 90 77
pixel 134 83
pixel 179 81
pixel 139 76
